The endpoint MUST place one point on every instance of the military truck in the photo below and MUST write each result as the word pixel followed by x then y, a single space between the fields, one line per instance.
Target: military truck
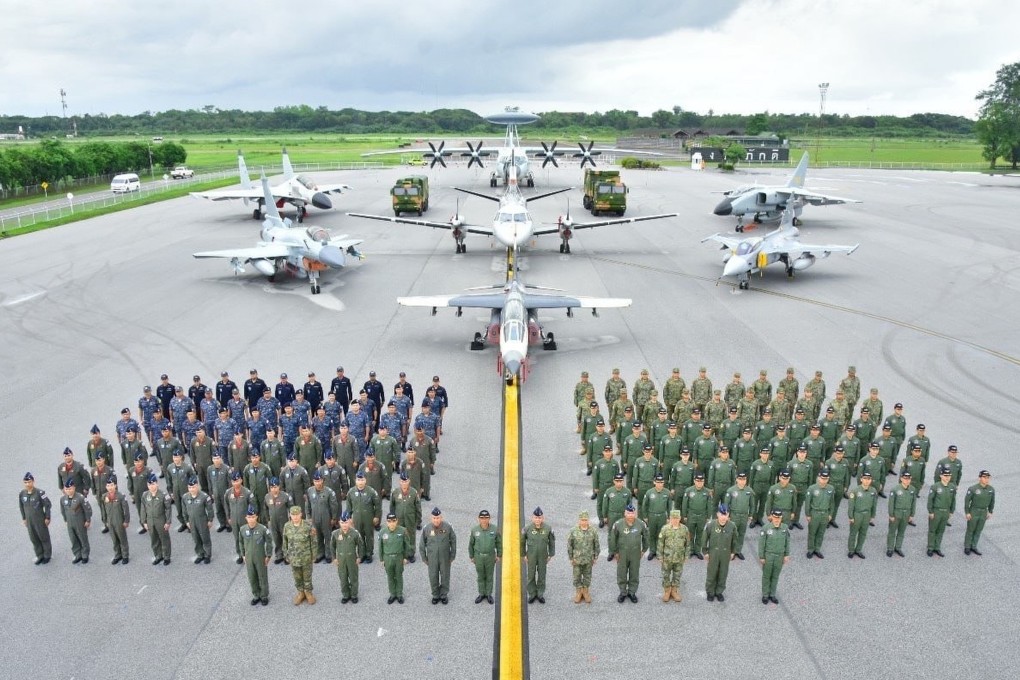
pixel 410 194
pixel 604 192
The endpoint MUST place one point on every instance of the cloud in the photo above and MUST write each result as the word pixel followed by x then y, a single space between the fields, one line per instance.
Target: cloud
pixel 730 56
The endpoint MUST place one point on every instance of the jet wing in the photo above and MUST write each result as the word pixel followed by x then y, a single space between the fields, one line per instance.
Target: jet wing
pixel 568 151
pixel 343 242
pixel 814 198
pixel 472 300
pixel 333 188
pixel 265 251
pixel 605 223
pixel 447 150
pixel 728 241
pixel 796 247
pixel 279 193
pixel 540 301
pixel 471 229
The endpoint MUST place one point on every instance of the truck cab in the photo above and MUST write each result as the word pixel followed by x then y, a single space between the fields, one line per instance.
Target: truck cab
pixel 410 194
pixel 604 192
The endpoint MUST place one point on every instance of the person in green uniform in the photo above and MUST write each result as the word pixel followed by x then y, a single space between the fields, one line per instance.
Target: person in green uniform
pixel 695 506
pixel 902 502
pixel 395 548
pixel 582 388
pixel 865 429
pixel 582 406
pixel 615 387
pixel 669 448
pixel 875 465
pixel 839 480
pixel 633 446
pixel 920 438
pixel 899 427
pixel 654 511
pixel 100 474
pixel 406 505
pixel 773 554
pixel 887 449
pixel 96 444
pixel 36 509
pixel 628 541
pixel 762 389
pixel 706 448
pixel 198 510
pixel 683 409
pixel 77 514
pixel 797 430
pixel 782 497
pixel 624 425
pixel 582 551
pixel 817 448
pixel 941 506
pixel 299 552
pixel 802 471
pixel 485 549
pixel 701 389
pixel 748 409
pixel 658 431
pixel 641 475
pixel 781 408
pixel 819 506
pixel 734 391
pixel 817 387
pixel 715 411
pixel 155 516
pixel 322 508
pixel 596 444
pixel 673 389
pixel 258 547
pixel 587 425
pixel 862 502
pixel 348 547
pixel 178 472
pixel 978 506
pixel 745 449
pixel 538 547
pixel 851 386
pixel 603 472
pixel 780 448
pixel 722 474
pixel 730 430
pixel 741 500
pixel 277 504
pixel 615 501
pixel 366 508
pixel 237 500
pixel 642 390
pixel 672 549
pixel 762 476
pixel 118 517
pixel 720 548
pixel 874 405
pixel 764 429
pixel 840 409
pixel 438 548
pixel 915 465
pixel 852 448
pixel 790 385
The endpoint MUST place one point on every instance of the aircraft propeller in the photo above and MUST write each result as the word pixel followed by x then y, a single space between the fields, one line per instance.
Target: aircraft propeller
pixel 586 155
pixel 436 154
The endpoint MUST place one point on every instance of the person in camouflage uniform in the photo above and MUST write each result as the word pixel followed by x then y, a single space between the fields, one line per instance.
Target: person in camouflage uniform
pixel 851 386
pixel 582 551
pixel 701 389
pixel 673 390
pixel 762 389
pixel 747 409
pixel 642 390
pixel 809 404
pixel 672 549
pixel 735 390
pixel 582 407
pixel 874 406
pixel 790 386
pixel 841 409
pixel 817 387
pixel 683 409
pixel 715 411
pixel 650 413
pixel 618 413
pixel 781 408
pixel 299 551
pixel 581 391
pixel 615 386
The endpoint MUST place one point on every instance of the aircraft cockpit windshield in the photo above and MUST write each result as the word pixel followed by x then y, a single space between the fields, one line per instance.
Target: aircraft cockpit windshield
pixel 513 331
pixel 746 247
pixel 318 234
pixel 306 183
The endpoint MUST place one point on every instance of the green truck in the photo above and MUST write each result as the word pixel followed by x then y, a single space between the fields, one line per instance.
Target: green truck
pixel 410 194
pixel 604 192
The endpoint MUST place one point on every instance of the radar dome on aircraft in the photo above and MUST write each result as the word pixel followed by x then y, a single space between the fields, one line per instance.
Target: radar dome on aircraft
pixel 512 115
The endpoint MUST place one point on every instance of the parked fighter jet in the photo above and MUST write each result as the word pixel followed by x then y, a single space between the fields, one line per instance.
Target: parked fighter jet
pixel 749 255
pixel 512 153
pixel 767 203
pixel 514 320
pixel 289 249
pixel 512 225
pixel 298 190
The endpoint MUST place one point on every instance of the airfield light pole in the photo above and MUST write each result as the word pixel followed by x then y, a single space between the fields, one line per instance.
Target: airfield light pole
pixel 823 90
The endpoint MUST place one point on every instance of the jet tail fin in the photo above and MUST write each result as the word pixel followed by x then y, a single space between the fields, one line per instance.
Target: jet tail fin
pixel 272 213
pixel 242 170
pixel 799 174
pixel 288 169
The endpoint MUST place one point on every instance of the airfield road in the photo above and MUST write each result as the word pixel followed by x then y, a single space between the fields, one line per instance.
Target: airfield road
pixel 926 309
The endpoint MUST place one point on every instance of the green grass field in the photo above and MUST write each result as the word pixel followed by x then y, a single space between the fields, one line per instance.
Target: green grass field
pixel 857 150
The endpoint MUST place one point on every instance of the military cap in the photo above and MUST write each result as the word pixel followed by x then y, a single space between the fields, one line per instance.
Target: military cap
pixel 733 409
pixel 644 371
pixel 178 453
pixel 839 449
pixel 593 404
pixel 390 517
pixel 359 475
pixel 764 449
pixel 208 390
pixel 164 377
pixel 874 390
pixel 628 408
pixel 780 428
pixel 274 481
pixel 695 410
pixel 763 372
pixel 659 477
pixel 636 426
pixel 629 508
pixel 436 512
pixel 736 374
pixel 430 390
pixel 915 447
pixel 296 392
pixel 223 409
pixel 125 410
pixel 537 512
pixel 723 509
pixel 435 378
pixel 706 426
pixel 583 515
pixel 69 483
pixel 898 405
pixel 824 472
pixel 866 475
pixel 818 374
pixel 176 389
pixel 777 513
pixel 139 456
pixel 790 371
pixel 607 447
pixel 192 481
pixel 646 447
pixel 133 428
pixel 68 451
pixel 796 411
pixel 723 447
pixel 152 479
pixel 741 475
pixel 920 426
pixel 671 424
pixel 767 410
pixel 816 426
pixel 252 512
pixel 952 447
pixel 685 451
pixel 265 391
pixel 851 426
pixel 600 422
pixel 851 369
pixel 905 474
pixel 865 409
pixel 317 476
pixel 28 477
pixel 746 430
pixel 784 473
pixel 663 410
pixel 147 388
pixel 283 375
pixel 345 516
pixel 295 510
pixel 618 476
pixel 702 369
pixel 481 513
pixel 94 429
pixel 404 477
pixel 675 513
pixel 235 476
pixel 425 402
pixel 584 374
pixel 291 456
pixel 192 410
pixel 371 374
pixel 339 369
pixel 216 453
pixel 829 409
pixel 167 426
pixel 873 445
pixel 223 374
pixel 802 447
pixel 887 427
pixel 945 470
pixel 616 371
pixel 699 475
pixel 100 455
pixel 329 454
pixel 984 473
pixel 716 391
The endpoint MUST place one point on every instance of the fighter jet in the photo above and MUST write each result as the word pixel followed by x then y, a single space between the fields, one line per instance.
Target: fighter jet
pixel 289 249
pixel 767 203
pixel 298 190
pixel 513 322
pixel 749 255
pixel 513 154
pixel 512 225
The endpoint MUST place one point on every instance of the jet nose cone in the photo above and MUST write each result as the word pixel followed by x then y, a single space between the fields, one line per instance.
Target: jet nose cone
pixel 725 207
pixel 512 361
pixel 332 256
pixel 736 265
pixel 321 201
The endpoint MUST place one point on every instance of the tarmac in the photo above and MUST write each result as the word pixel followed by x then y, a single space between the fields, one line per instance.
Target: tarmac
pixel 926 309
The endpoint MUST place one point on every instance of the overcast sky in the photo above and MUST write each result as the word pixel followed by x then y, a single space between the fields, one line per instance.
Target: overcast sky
pixel 739 56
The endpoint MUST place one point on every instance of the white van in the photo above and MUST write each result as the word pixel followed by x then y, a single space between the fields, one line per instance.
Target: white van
pixel 124 183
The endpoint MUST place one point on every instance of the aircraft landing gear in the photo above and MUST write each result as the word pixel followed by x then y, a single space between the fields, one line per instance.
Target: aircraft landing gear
pixel 461 247
pixel 549 342
pixel 789 272
pixel 314 278
pixel 302 211
pixel 797 222
pixel 256 214
pixel 531 182
pixel 565 247
pixel 477 343
pixel 744 282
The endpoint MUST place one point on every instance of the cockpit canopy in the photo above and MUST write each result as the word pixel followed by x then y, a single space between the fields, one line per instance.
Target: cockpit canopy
pixel 306 183
pixel 748 247
pixel 318 234
pixel 519 217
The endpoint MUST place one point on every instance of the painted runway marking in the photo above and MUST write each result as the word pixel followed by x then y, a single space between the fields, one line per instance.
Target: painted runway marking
pixel 141 589
pixel 24 298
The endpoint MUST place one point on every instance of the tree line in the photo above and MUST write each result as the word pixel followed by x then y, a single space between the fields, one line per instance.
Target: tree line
pixel 998 125
pixel 304 118
pixel 53 161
